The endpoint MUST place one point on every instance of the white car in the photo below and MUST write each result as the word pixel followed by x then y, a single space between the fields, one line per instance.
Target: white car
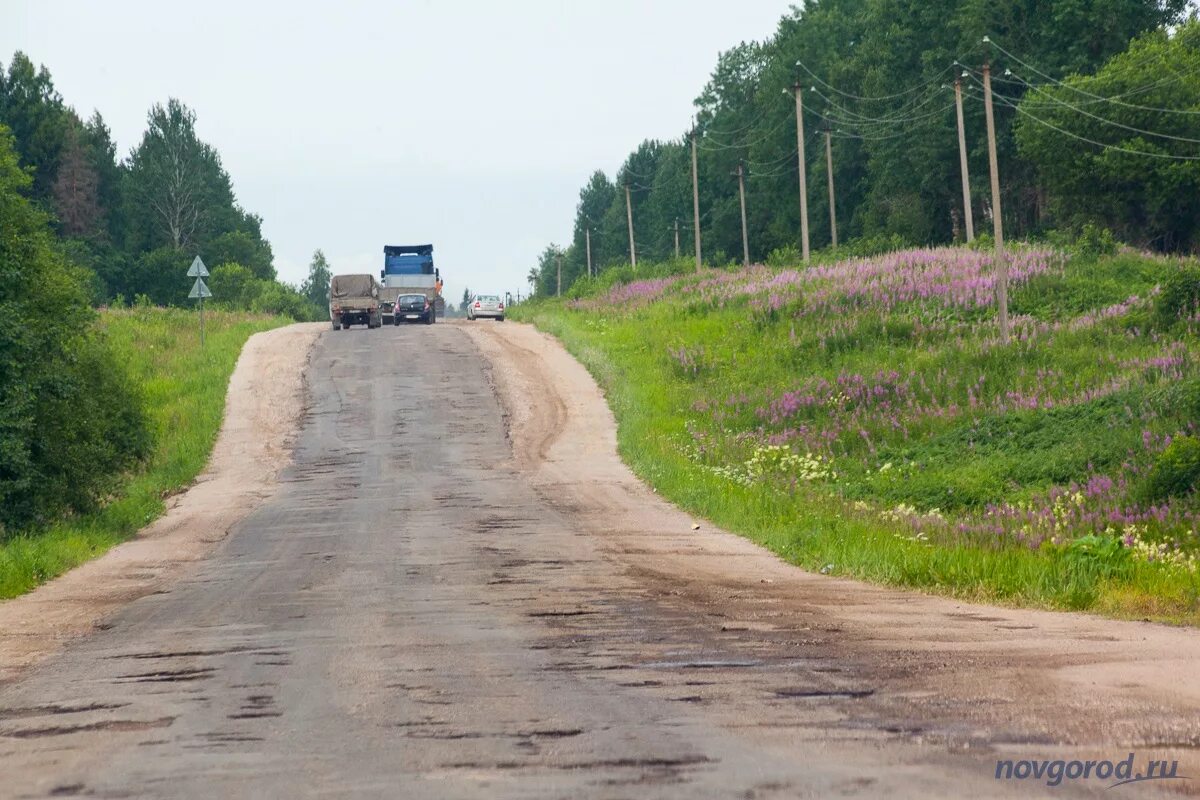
pixel 486 305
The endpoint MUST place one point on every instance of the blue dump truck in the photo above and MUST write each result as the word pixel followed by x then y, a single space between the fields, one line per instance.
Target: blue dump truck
pixel 408 269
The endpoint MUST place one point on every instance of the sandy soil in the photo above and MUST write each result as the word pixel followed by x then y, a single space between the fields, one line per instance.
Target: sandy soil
pixel 963 674
pixel 264 401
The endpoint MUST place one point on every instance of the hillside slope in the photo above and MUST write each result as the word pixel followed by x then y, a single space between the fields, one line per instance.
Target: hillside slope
pixel 863 418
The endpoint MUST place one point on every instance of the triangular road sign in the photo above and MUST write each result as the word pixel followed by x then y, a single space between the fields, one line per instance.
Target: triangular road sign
pixel 197 270
pixel 199 289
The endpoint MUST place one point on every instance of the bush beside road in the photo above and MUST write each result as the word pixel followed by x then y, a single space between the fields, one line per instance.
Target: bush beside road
pixel 182 390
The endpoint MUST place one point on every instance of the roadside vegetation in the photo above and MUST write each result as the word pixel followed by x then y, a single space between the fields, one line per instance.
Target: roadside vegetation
pixel 178 395
pixel 108 405
pixel 861 417
pixel 102 414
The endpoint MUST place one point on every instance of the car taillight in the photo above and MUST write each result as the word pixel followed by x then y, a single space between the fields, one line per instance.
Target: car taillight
pixel 501 306
pixel 477 304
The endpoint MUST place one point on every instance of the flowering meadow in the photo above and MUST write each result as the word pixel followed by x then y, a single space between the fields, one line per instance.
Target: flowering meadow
pixel 874 397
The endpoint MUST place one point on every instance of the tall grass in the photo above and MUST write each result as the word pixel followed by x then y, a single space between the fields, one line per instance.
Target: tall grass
pixel 862 417
pixel 184 388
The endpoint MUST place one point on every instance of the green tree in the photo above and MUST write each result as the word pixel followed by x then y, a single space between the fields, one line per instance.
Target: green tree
pixel 242 247
pixel 316 285
pixel 1141 178
pixel 177 186
pixel 70 421
pixel 38 119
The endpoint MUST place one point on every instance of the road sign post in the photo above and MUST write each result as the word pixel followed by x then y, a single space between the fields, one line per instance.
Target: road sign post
pixel 199 289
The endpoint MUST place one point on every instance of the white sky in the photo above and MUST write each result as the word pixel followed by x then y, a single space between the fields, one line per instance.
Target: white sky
pixel 352 125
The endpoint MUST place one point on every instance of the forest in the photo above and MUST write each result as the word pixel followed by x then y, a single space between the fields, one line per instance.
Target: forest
pixel 133 224
pixel 82 411
pixel 1097 115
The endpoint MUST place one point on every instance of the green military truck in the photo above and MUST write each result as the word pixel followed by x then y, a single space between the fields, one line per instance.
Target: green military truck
pixel 354 300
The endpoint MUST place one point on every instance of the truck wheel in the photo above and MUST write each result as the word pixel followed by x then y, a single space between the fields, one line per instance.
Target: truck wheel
pixel 499 319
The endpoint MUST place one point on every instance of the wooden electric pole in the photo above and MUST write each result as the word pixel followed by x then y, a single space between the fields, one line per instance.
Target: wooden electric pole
pixel 741 176
pixel 997 217
pixel 803 176
pixel 677 238
pixel 829 171
pixel 629 219
pixel 587 233
pixel 968 219
pixel 558 292
pixel 695 202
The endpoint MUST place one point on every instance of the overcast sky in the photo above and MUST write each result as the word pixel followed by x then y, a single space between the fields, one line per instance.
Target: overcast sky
pixel 352 125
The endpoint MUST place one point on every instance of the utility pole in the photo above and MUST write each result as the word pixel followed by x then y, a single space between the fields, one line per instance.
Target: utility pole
pixel 829 171
pixel 629 219
pixel 558 293
pixel 803 177
pixel 677 238
pixel 695 202
pixel 741 176
pixel 962 157
pixel 587 233
pixel 997 217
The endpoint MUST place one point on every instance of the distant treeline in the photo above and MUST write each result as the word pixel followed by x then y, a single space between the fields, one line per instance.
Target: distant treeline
pixel 135 223
pixel 1097 108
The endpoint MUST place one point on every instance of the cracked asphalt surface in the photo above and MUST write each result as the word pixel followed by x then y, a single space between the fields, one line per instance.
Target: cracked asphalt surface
pixel 458 591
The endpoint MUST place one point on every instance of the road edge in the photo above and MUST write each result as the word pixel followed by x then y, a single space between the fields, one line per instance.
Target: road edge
pixel 264 402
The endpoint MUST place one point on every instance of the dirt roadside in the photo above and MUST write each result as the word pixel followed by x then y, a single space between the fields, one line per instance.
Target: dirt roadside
pixel 263 403
pixel 932 668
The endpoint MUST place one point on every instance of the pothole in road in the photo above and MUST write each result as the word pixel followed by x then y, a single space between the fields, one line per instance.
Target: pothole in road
pixel 703 664
pixel 116 725
pixel 48 710
pixel 823 694
pixel 169 675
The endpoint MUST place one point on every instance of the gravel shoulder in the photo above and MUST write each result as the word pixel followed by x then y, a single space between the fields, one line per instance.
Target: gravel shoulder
pixel 264 401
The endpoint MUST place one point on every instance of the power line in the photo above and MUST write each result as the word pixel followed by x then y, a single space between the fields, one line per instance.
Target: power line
pixel 718 146
pixel 903 93
pixel 1017 106
pixel 1084 92
pixel 897 116
pixel 876 127
pixel 734 131
pixel 773 162
pixel 1105 120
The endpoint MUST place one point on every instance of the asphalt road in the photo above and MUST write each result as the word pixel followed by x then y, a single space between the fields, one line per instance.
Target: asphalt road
pixel 412 614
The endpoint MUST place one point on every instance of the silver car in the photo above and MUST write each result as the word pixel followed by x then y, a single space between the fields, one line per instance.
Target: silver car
pixel 486 305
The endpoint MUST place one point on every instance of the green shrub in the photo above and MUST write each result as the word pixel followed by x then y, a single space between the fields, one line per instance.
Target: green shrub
pixel 70 421
pixel 786 256
pixel 1176 471
pixel 1180 295
pixel 1090 241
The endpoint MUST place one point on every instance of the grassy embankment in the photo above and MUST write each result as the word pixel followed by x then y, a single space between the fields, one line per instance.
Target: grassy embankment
pixel 184 391
pixel 863 419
